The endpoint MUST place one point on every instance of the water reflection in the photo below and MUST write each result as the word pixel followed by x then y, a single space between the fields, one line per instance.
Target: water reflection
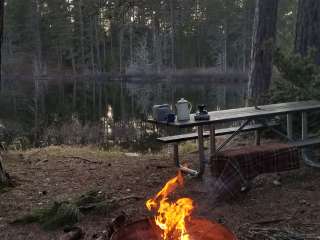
pixel 127 110
pixel 104 112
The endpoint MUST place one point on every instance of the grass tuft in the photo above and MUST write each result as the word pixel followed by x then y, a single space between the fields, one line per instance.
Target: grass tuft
pixel 63 214
pixel 59 214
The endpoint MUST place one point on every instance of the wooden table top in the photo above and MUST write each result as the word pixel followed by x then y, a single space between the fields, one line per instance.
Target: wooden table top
pixel 247 113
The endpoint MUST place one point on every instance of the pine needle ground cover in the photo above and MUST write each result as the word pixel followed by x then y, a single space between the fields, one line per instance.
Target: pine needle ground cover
pixel 68 182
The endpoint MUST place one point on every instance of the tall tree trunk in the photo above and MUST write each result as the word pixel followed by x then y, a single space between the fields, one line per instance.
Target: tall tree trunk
pixel 104 62
pixel 308 28
pixel 97 40
pixel 172 34
pixel 74 78
pixel 74 92
pixel 131 42
pixel 156 42
pixel 92 57
pixel 245 33
pixel 4 179
pixel 61 83
pixel 263 42
pixel 81 34
pixel 1 39
pixel 38 66
pixel 120 49
pixel 225 46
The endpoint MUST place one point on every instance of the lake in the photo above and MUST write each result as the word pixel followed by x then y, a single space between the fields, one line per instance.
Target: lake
pixel 107 112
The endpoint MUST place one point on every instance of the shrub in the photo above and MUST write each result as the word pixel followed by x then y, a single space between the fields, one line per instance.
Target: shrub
pixel 299 78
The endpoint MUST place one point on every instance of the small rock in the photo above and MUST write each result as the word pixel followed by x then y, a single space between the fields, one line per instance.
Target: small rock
pixel 95 236
pixel 304 202
pixel 43 193
pixel 131 154
pixel 76 233
pixel 102 238
pixel 276 182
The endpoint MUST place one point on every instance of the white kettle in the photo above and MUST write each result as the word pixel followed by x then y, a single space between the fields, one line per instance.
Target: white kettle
pixel 183 110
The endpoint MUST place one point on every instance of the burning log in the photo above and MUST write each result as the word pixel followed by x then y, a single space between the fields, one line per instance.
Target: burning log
pixel 171 216
pixel 172 220
pixel 198 229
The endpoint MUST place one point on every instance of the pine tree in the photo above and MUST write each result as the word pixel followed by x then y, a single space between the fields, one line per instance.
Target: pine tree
pixel 264 37
pixel 308 28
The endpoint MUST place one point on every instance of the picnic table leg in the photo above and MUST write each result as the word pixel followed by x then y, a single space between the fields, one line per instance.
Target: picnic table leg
pixel 176 155
pixel 257 137
pixel 201 151
pixel 304 122
pixel 212 143
pixel 289 126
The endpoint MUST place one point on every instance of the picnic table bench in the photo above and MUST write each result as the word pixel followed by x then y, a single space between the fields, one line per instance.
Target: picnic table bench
pixel 176 139
pixel 253 119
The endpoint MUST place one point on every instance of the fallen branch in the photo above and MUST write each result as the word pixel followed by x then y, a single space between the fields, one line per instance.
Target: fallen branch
pixel 83 159
pixel 265 222
pixel 160 166
pixel 127 198
pixel 278 220
pixel 42 161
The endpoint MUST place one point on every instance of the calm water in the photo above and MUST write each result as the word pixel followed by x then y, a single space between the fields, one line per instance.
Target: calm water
pixel 107 112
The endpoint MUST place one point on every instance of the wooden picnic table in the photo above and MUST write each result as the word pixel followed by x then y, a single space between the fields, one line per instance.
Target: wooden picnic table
pixel 248 115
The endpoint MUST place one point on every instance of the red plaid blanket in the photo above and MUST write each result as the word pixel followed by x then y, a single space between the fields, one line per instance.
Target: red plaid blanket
pixel 235 167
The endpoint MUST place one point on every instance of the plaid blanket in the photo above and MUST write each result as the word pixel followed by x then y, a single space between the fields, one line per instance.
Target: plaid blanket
pixel 236 167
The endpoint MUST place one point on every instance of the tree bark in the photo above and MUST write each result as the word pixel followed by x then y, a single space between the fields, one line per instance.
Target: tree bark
pixel 4 179
pixel 172 23
pixel 308 28
pixel 1 38
pixel 157 43
pixel 263 42
pixel 97 40
pixel 81 34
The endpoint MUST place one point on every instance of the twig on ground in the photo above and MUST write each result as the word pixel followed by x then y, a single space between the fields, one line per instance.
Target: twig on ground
pixel 126 198
pixel 265 222
pixel 278 220
pixel 42 161
pixel 160 166
pixel 83 159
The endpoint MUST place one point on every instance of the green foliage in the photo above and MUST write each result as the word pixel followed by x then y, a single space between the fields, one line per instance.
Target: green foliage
pixel 299 78
pixel 95 202
pixel 62 214
pixel 57 215
pixel 4 188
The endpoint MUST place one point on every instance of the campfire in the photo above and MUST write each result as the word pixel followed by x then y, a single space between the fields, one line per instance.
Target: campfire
pixel 173 220
pixel 171 217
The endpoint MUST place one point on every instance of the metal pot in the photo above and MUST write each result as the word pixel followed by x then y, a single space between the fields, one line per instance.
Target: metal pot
pixel 183 110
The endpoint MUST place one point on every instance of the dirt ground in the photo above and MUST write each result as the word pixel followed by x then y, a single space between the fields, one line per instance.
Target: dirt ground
pixel 65 173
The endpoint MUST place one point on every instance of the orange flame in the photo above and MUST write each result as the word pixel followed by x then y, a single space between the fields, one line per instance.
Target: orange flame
pixel 171 216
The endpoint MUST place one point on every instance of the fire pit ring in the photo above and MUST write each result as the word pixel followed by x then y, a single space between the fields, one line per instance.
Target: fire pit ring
pixel 199 229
